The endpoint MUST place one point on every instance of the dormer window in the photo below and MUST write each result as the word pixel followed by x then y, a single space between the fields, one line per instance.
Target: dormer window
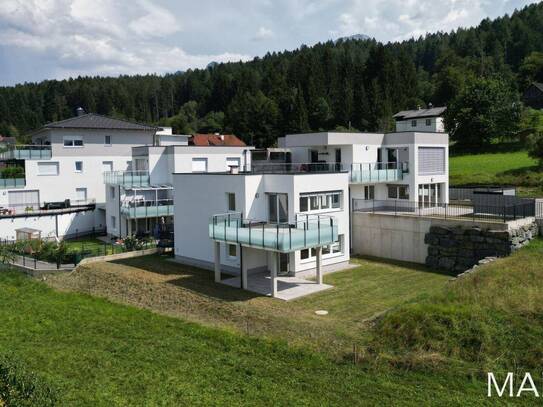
pixel 73 141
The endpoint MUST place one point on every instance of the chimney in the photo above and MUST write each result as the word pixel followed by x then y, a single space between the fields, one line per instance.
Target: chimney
pixel 79 111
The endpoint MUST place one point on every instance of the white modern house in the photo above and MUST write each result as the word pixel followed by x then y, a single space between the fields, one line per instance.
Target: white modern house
pixel 61 173
pixel 421 120
pixel 140 200
pixel 259 225
pixel 408 166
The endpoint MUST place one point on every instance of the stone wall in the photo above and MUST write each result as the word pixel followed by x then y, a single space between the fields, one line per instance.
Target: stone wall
pixel 459 248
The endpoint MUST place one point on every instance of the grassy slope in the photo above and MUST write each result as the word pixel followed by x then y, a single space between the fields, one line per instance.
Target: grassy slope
pixel 489 321
pixel 513 168
pixel 167 287
pixel 99 353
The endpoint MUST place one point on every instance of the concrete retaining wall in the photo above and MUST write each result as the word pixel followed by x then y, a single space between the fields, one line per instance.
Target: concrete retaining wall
pixel 404 237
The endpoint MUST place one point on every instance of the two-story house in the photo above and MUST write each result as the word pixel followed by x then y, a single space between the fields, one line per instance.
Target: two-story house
pixel 421 120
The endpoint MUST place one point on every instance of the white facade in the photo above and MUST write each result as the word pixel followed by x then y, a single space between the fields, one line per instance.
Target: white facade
pixel 253 194
pixel 150 183
pixel 426 124
pixel 414 164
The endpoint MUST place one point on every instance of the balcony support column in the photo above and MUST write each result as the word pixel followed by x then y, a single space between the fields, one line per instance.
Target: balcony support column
pixel 244 277
pixel 319 266
pixel 217 250
pixel 273 274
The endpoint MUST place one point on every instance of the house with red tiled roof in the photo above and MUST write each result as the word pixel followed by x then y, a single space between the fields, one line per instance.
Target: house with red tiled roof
pixel 224 140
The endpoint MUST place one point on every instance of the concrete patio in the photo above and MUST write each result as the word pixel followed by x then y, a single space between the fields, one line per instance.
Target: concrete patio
pixel 288 288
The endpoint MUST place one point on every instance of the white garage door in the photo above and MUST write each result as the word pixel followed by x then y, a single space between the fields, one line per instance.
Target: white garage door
pixel 23 199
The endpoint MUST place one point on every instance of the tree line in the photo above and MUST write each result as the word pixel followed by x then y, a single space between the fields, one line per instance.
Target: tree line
pixel 348 84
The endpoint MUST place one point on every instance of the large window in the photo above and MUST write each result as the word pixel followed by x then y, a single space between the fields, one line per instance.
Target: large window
pixel 48 168
pixel 199 165
pixel 73 141
pixel 369 192
pixel 335 248
pixel 320 201
pixel 278 208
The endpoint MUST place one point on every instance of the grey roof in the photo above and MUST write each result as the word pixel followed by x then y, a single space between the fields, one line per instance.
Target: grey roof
pixel 96 121
pixel 538 85
pixel 413 114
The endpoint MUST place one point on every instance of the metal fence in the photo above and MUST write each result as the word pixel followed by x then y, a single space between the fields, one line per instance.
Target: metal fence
pixel 463 211
pixel 462 193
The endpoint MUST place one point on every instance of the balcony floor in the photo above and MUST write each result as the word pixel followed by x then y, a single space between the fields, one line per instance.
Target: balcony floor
pixel 288 288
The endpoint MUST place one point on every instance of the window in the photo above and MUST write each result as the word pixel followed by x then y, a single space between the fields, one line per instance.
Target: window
pixel 112 192
pixel 327 251
pixel 369 192
pixel 232 250
pixel 278 208
pixel 413 123
pixel 81 194
pixel 231 200
pixel 107 140
pixel 73 141
pixel 113 222
pixel 232 162
pixel 303 203
pixel 398 191
pixel 48 168
pixel 320 201
pixel 107 166
pixel 79 166
pixel 428 122
pixel 199 165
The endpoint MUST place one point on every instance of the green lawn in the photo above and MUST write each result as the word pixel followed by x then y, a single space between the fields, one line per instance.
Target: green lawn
pixel 513 168
pixel 358 295
pixel 99 353
pixel 88 243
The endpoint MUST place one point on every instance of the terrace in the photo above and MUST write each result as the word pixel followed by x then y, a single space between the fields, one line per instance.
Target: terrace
pixel 307 231
pixel 46 208
pixel 147 208
pixel 26 152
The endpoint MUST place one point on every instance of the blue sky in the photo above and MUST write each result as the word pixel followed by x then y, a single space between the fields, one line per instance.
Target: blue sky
pixel 55 39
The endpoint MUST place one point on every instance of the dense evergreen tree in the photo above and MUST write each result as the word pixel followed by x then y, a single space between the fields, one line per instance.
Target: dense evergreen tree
pixel 344 84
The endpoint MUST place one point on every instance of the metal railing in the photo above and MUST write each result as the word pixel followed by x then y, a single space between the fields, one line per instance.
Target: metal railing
pixel 378 172
pixel 26 152
pixel 13 182
pixel 306 231
pixel 147 209
pixel 127 178
pixel 463 211
pixel 45 208
pixel 287 168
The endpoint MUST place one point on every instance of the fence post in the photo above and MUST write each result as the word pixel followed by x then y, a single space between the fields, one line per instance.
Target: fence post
pixel 504 213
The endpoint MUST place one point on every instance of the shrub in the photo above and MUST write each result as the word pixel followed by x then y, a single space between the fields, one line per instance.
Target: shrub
pixel 19 387
pixel 12 172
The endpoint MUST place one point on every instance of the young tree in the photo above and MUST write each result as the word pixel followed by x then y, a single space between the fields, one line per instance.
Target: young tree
pixel 486 109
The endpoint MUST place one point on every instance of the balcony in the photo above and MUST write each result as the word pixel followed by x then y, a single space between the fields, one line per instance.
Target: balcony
pixel 147 209
pixel 307 231
pixel 17 182
pixel 26 152
pixel 128 179
pixel 372 173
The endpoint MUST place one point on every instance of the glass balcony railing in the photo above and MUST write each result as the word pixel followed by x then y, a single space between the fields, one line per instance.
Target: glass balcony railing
pixel 26 152
pixel 17 182
pixel 127 178
pixel 368 173
pixel 307 231
pixel 288 168
pixel 147 209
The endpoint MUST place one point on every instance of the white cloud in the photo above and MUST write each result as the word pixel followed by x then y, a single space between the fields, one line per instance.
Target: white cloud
pixel 396 20
pixel 99 37
pixel 263 33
